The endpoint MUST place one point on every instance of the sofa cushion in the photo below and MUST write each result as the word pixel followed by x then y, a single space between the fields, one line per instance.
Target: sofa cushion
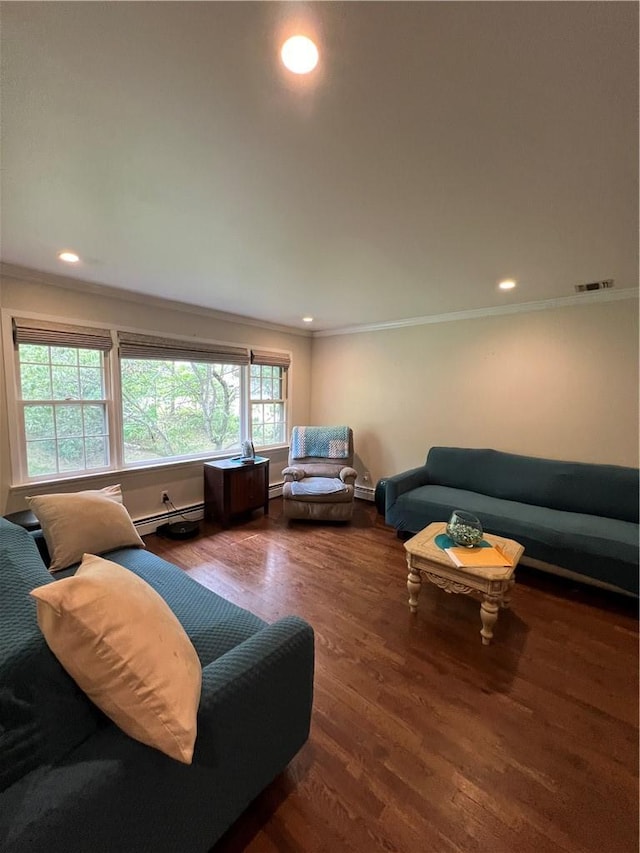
pixel 604 548
pixel 605 490
pixel 92 521
pixel 43 713
pixel 213 624
pixel 123 646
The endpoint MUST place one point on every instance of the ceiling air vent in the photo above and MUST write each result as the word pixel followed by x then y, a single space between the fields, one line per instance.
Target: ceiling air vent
pixel 595 285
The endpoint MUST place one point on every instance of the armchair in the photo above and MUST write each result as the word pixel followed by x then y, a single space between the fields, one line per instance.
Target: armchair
pixel 319 482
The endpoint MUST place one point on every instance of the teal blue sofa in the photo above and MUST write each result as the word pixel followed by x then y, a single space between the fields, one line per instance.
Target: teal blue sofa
pixel 575 517
pixel 71 781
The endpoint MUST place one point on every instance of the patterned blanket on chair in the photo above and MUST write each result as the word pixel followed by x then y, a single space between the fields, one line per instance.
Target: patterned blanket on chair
pixel 330 442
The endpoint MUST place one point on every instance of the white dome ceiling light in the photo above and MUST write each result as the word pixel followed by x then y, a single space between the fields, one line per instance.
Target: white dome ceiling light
pixel 299 54
pixel 508 284
pixel 68 257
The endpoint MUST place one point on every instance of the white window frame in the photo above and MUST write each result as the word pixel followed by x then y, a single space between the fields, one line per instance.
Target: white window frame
pixel 284 399
pixel 16 406
pixel 190 457
pixel 112 378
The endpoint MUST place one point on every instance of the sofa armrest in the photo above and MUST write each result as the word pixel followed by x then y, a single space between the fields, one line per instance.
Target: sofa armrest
pixel 348 476
pixel 255 706
pixel 291 474
pixel 404 482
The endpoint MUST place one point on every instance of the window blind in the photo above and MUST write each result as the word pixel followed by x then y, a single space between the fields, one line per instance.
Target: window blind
pixel 271 359
pixel 60 335
pixel 147 346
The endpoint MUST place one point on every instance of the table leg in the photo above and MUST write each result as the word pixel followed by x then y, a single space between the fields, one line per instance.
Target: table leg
pixel 506 600
pixel 489 615
pixel 414 585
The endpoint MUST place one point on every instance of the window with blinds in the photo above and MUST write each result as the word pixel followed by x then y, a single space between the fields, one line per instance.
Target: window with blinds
pixel 179 398
pixel 175 399
pixel 63 402
pixel 268 390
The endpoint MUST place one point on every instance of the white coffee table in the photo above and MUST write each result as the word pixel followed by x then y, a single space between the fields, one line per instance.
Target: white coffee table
pixel 426 560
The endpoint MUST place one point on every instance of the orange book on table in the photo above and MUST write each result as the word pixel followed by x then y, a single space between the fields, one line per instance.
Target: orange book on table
pixel 478 557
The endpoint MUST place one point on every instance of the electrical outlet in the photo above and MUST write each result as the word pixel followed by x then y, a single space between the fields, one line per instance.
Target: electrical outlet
pixel 164 497
pixel 366 477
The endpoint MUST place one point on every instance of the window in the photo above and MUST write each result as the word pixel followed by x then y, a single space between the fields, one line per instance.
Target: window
pixel 62 398
pixel 178 408
pixel 267 405
pixel 268 397
pixel 179 399
pixel 84 406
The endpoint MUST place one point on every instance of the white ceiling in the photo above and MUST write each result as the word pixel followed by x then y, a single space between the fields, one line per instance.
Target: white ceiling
pixel 438 148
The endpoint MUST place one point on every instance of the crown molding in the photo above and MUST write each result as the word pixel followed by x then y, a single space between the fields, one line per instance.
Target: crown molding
pixel 8 270
pixel 476 313
pixel 33 276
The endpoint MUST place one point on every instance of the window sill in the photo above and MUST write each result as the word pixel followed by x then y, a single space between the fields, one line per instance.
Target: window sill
pixel 132 471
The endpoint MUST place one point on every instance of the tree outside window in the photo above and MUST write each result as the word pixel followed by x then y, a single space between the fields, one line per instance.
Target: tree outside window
pixel 64 409
pixel 178 408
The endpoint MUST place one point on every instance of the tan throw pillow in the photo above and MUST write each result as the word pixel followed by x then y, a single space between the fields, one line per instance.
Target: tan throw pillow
pixel 121 643
pixel 92 522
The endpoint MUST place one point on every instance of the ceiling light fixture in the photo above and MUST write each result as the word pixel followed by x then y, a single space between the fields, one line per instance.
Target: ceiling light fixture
pixel 307 319
pixel 299 54
pixel 509 284
pixel 69 257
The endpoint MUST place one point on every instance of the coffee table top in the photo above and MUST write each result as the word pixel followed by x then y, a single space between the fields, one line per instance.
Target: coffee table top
pixel 423 546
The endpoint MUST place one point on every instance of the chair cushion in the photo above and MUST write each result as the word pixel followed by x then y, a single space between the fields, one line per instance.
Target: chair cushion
pixel 317 486
pixel 126 650
pixel 344 496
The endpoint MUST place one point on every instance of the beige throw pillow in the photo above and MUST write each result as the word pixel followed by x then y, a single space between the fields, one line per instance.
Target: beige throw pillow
pixel 121 643
pixel 92 522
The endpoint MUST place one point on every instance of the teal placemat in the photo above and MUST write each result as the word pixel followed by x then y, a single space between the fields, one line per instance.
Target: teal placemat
pixel 443 541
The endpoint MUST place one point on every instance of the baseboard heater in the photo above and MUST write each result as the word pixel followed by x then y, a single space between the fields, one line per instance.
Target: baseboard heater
pixel 365 493
pixel 195 512
pixel 153 523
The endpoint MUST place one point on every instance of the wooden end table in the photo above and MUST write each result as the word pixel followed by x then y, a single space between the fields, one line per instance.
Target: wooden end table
pixel 426 560
pixel 233 487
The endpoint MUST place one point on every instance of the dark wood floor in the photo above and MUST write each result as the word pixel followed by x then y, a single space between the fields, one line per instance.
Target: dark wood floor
pixel 423 739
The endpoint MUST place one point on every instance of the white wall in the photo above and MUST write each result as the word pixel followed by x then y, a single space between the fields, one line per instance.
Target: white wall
pixel 560 383
pixel 69 300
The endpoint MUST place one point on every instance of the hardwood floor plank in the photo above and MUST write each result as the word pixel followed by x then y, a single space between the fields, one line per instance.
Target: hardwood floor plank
pixel 422 739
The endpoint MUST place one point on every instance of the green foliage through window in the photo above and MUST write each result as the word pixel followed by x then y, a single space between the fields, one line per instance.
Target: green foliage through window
pixel 169 409
pixel 64 432
pixel 267 405
pixel 178 408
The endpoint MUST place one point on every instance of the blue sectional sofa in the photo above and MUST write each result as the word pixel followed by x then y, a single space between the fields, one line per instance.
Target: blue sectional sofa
pixel 71 781
pixel 578 518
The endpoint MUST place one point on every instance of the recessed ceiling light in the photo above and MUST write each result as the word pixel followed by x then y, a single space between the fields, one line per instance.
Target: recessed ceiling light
pixel 509 284
pixel 69 257
pixel 299 54
pixel 307 319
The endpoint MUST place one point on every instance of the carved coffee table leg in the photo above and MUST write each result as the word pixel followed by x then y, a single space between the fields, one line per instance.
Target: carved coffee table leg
pixel 506 600
pixel 414 585
pixel 489 615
